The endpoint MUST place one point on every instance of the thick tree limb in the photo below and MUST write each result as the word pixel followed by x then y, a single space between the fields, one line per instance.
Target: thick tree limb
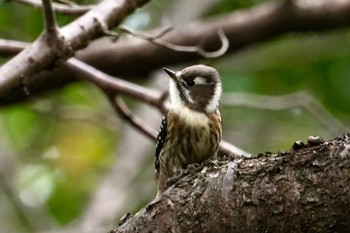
pixel 133 57
pixel 305 190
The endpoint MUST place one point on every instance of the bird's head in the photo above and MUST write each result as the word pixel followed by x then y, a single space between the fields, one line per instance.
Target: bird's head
pixel 196 87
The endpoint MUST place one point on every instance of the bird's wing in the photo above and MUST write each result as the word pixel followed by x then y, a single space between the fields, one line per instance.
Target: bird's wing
pixel 160 139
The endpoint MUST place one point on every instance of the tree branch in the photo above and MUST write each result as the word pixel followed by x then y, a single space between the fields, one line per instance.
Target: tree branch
pixel 50 20
pixel 242 28
pixel 10 48
pixel 303 190
pixel 108 83
pixel 57 7
pixel 40 56
pixel 123 111
pixel 178 48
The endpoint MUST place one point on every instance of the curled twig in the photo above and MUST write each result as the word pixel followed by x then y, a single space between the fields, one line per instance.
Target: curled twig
pixel 189 49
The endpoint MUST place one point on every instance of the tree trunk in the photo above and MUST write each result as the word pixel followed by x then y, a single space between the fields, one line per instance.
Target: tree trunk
pixel 304 190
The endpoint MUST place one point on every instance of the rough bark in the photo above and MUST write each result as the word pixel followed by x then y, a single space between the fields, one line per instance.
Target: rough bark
pixel 134 57
pixel 304 190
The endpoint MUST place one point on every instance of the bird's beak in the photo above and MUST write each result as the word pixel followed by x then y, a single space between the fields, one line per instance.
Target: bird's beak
pixel 171 73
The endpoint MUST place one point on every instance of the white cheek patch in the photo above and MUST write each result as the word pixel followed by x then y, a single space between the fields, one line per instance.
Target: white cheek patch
pixel 215 101
pixel 188 96
pixel 191 117
pixel 175 98
pixel 174 94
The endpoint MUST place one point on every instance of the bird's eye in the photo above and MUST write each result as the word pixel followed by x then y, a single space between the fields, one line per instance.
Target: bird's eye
pixel 190 83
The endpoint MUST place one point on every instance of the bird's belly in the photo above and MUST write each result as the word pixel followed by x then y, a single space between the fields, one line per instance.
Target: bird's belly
pixel 197 145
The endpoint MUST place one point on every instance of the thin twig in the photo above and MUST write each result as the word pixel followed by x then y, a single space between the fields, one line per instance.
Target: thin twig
pixel 189 49
pixel 107 32
pixel 60 8
pixel 50 20
pixel 11 47
pixel 109 83
pixel 123 111
pixel 224 47
pixel 229 149
pixel 163 32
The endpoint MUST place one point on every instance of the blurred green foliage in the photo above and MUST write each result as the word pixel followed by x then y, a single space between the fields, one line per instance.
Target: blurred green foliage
pixel 19 22
pixel 313 63
pixel 65 143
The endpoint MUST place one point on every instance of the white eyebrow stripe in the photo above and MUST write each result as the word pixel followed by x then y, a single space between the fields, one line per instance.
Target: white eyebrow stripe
pixel 200 80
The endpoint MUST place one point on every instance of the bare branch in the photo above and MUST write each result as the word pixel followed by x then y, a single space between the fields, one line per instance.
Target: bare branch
pixel 224 47
pixel 50 20
pixel 179 48
pixel 163 32
pixel 107 32
pixel 109 83
pixel 299 99
pixel 11 47
pixel 123 111
pixel 57 7
pixel 229 149
pixel 74 36
pixel 242 28
pixel 261 194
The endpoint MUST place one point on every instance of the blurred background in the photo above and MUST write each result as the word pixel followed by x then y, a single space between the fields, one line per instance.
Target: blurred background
pixel 68 162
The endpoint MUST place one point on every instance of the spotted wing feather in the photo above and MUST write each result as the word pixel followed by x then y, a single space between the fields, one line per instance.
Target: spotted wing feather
pixel 160 140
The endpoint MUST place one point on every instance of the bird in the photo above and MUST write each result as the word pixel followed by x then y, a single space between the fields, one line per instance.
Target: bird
pixel 191 129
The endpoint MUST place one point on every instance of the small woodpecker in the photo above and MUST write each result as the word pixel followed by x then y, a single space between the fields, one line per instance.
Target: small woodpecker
pixel 191 130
